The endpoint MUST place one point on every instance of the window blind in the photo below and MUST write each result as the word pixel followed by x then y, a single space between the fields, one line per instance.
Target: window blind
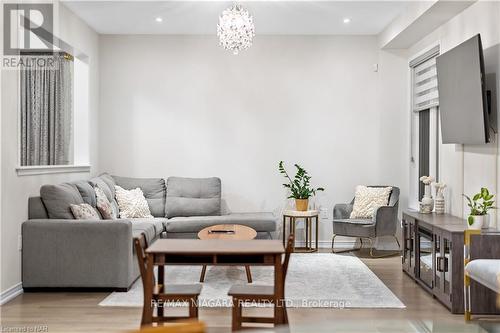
pixel 425 89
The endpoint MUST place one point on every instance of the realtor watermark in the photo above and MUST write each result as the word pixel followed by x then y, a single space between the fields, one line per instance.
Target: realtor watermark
pixel 24 329
pixel 213 303
pixel 27 29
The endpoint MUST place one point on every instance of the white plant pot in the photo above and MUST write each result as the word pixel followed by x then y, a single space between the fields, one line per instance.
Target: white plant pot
pixel 478 222
pixel 486 221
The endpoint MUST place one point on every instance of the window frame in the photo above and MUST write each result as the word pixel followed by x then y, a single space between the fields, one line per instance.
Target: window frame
pixel 434 130
pixel 31 170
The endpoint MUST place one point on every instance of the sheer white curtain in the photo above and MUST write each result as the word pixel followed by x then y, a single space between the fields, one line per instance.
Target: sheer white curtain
pixel 46 110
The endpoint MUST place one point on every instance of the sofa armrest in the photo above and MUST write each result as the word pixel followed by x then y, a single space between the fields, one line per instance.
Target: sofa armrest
pixel 73 253
pixel 385 219
pixel 342 211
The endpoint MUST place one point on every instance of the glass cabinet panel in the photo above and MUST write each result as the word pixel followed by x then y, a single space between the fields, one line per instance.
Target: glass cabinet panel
pixel 437 254
pixel 425 269
pixel 446 265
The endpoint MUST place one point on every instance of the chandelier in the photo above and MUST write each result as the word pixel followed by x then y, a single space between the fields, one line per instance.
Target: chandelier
pixel 235 29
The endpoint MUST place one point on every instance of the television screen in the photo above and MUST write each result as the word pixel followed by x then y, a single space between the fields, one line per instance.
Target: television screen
pixel 462 94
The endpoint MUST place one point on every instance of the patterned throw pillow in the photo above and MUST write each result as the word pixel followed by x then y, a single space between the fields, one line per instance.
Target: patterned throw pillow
pixel 132 203
pixel 367 199
pixel 104 206
pixel 84 212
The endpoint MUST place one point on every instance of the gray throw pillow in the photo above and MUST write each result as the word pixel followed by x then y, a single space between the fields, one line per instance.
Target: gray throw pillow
pixel 58 199
pixel 193 197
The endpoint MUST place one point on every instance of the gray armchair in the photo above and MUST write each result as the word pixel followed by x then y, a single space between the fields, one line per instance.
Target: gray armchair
pixel 383 223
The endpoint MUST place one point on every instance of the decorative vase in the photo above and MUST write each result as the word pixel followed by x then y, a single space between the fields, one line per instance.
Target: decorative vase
pixel 427 204
pixel 439 204
pixel 301 204
pixel 476 222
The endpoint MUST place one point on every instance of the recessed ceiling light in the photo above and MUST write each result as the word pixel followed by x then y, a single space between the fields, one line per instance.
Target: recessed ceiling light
pixel 158 19
pixel 347 20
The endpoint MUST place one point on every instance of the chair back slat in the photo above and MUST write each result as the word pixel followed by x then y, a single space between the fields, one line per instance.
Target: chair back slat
pixel 288 251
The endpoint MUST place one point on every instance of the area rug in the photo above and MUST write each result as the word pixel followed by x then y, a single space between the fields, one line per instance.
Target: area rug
pixel 320 280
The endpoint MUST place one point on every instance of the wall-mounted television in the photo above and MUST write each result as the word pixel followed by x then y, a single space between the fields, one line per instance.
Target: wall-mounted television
pixel 463 98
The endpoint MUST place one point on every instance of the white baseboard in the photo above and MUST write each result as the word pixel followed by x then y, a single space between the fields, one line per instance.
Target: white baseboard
pixel 11 293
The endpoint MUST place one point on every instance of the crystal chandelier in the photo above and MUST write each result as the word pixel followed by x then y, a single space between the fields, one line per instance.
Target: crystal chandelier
pixel 235 29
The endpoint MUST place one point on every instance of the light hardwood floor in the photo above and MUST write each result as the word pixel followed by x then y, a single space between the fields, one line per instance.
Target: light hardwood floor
pixel 79 312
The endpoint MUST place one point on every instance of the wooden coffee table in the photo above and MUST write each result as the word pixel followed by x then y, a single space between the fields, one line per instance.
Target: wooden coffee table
pixel 227 232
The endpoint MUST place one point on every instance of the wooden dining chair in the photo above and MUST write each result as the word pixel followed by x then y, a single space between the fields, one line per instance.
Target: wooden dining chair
pixel 258 294
pixel 184 327
pixel 165 293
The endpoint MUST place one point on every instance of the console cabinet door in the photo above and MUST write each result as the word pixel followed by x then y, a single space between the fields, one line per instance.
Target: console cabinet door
pixel 443 267
pixel 408 258
pixel 425 256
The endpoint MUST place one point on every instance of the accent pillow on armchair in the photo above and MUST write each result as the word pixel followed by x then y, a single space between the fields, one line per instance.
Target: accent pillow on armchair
pixel 367 199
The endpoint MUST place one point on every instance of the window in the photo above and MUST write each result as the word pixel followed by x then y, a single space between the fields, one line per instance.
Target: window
pixel 424 123
pixel 46 109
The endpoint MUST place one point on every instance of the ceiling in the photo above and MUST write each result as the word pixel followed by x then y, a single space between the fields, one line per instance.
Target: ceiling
pixel 270 17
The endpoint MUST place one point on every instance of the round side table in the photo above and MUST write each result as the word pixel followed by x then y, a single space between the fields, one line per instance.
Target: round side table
pixel 309 217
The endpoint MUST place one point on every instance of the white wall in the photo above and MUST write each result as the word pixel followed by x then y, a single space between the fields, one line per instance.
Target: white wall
pixel 468 168
pixel 15 190
pixel 182 106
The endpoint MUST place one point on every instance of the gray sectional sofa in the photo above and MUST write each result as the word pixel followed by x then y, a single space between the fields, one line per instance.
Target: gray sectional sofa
pixel 61 252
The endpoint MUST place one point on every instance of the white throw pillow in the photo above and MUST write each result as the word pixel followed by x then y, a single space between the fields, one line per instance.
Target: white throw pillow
pixel 367 199
pixel 132 203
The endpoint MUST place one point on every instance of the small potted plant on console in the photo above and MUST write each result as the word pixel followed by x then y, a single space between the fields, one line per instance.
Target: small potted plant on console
pixel 479 206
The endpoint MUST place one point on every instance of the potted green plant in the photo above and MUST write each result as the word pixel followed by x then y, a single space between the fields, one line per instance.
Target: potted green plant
pixel 479 206
pixel 300 188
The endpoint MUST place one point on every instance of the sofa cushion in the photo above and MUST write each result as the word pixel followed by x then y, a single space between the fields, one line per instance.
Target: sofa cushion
pixel 99 181
pixel 193 197
pixel 58 198
pixel 107 184
pixel 354 221
pixel 257 221
pixel 485 271
pixel 86 191
pixel 346 228
pixel 150 227
pixel 154 191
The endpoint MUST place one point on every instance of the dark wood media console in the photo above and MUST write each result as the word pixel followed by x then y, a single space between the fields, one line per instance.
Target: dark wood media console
pixel 433 255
